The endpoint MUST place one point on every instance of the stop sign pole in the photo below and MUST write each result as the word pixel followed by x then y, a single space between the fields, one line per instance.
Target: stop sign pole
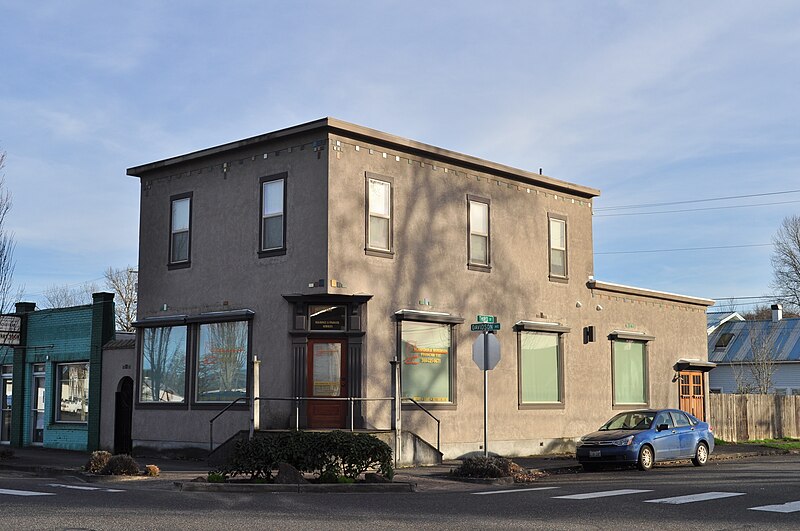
pixel 486 360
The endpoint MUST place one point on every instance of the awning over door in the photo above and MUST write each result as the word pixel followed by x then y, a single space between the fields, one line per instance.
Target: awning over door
pixel 693 365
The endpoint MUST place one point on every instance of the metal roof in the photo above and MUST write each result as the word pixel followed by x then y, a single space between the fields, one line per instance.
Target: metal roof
pixel 785 334
pixel 714 319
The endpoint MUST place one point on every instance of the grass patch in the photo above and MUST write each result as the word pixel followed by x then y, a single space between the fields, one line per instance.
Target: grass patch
pixel 784 443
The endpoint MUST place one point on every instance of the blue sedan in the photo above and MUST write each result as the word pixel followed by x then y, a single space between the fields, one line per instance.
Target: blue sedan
pixel 645 437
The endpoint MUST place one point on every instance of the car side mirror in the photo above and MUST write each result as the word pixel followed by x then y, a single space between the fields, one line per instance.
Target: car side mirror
pixel 662 427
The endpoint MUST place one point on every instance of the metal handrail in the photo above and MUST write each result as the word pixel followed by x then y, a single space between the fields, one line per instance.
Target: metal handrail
pixel 438 422
pixel 215 417
pixel 297 399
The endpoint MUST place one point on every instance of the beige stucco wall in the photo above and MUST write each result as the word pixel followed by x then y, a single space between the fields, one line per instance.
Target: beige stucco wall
pixel 117 364
pixel 430 263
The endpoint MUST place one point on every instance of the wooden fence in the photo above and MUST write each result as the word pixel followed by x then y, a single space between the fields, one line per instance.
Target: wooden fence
pixel 737 418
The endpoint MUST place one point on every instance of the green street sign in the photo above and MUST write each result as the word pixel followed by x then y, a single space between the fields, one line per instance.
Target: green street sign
pixel 484 327
pixel 487 319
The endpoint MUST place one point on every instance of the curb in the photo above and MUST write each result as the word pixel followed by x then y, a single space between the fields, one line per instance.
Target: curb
pixel 189 486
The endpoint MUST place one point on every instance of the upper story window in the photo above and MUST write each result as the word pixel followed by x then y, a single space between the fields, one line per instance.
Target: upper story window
pixel 558 247
pixel 479 247
pixel 273 214
pixel 379 214
pixel 180 228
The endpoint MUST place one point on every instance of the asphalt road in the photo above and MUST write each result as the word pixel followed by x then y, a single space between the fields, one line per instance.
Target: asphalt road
pixel 757 493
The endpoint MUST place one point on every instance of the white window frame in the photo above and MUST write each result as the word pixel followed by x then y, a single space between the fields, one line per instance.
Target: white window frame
pixel 266 183
pixel 182 198
pixel 374 212
pixel 480 232
pixel 58 384
pixel 555 248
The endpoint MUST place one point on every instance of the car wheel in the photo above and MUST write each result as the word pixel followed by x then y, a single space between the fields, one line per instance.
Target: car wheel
pixel 700 455
pixel 646 458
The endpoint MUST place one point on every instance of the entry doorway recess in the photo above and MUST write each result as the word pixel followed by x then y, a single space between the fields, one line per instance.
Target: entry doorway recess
pixel 327 378
pixel 691 396
pixel 123 416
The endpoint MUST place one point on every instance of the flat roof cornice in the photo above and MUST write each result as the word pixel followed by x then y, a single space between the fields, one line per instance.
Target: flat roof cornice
pixel 652 294
pixel 365 134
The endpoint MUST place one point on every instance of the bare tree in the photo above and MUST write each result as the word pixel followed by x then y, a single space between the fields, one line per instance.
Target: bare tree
pixel 7 246
pixel 755 375
pixel 123 283
pixel 786 262
pixel 64 296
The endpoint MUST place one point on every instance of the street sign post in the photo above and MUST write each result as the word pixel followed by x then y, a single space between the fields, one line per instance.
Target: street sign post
pixel 486 355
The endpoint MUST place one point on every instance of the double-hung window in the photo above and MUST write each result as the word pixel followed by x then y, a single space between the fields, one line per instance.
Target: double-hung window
pixel 558 247
pixel 379 214
pixel 72 392
pixel 273 214
pixel 479 248
pixel 180 228
pixel 629 365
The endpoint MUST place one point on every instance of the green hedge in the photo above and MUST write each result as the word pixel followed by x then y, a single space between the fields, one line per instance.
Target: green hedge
pixel 328 455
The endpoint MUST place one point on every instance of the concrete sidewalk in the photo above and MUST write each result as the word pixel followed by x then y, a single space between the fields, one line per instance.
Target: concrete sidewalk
pixel 52 462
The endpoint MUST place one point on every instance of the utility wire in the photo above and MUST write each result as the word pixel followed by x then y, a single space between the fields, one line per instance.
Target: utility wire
pixel 693 209
pixel 648 205
pixel 687 249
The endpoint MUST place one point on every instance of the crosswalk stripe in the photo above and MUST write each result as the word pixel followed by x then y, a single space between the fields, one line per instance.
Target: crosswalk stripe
pixel 508 491
pixel 11 492
pixel 789 507
pixel 601 494
pixel 703 496
pixel 81 487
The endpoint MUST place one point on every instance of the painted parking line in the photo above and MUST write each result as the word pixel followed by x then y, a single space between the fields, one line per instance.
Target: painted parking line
pixel 82 487
pixel 703 496
pixel 11 492
pixel 509 491
pixel 789 507
pixel 601 494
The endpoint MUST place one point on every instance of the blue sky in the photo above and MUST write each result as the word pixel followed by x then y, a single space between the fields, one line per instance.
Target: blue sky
pixel 650 102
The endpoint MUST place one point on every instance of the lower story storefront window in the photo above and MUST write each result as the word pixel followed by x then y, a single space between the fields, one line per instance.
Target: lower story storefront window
pixel 222 362
pixel 73 392
pixel 427 364
pixel 163 363
pixel 629 360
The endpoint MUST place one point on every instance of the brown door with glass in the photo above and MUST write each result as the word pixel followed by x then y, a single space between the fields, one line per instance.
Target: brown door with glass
pixel 327 378
pixel 691 393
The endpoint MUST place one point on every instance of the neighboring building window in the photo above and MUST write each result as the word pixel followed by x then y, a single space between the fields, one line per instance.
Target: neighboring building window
pixel 558 247
pixel 222 362
pixel 37 401
pixel 379 208
pixel 540 367
pixel 479 244
pixel 715 390
pixel 273 213
pixel 5 406
pixel 179 231
pixel 723 341
pixel 163 365
pixel 427 364
pixel 72 392
pixel 629 362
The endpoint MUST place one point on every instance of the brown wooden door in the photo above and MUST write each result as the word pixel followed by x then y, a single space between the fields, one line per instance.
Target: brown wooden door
pixel 691 389
pixel 327 377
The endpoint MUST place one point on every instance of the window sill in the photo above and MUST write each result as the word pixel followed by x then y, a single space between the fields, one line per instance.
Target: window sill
pixel 431 406
pixel 240 406
pixel 624 407
pixel 559 279
pixel 379 253
pixel 179 265
pixel 541 405
pixel 272 252
pixel 67 425
pixel 479 267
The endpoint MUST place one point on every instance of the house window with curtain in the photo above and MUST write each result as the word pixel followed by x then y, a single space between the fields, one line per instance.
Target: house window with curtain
pixel 629 365
pixel 540 368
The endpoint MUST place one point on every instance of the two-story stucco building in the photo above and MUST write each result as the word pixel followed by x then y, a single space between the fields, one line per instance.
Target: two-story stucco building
pixel 329 250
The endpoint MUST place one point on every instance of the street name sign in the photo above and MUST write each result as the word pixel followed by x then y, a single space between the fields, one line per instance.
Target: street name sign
pixel 487 319
pixel 484 327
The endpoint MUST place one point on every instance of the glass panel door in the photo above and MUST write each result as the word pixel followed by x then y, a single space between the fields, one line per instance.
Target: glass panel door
pixel 327 380
pixel 5 410
pixel 37 400
pixel 327 369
